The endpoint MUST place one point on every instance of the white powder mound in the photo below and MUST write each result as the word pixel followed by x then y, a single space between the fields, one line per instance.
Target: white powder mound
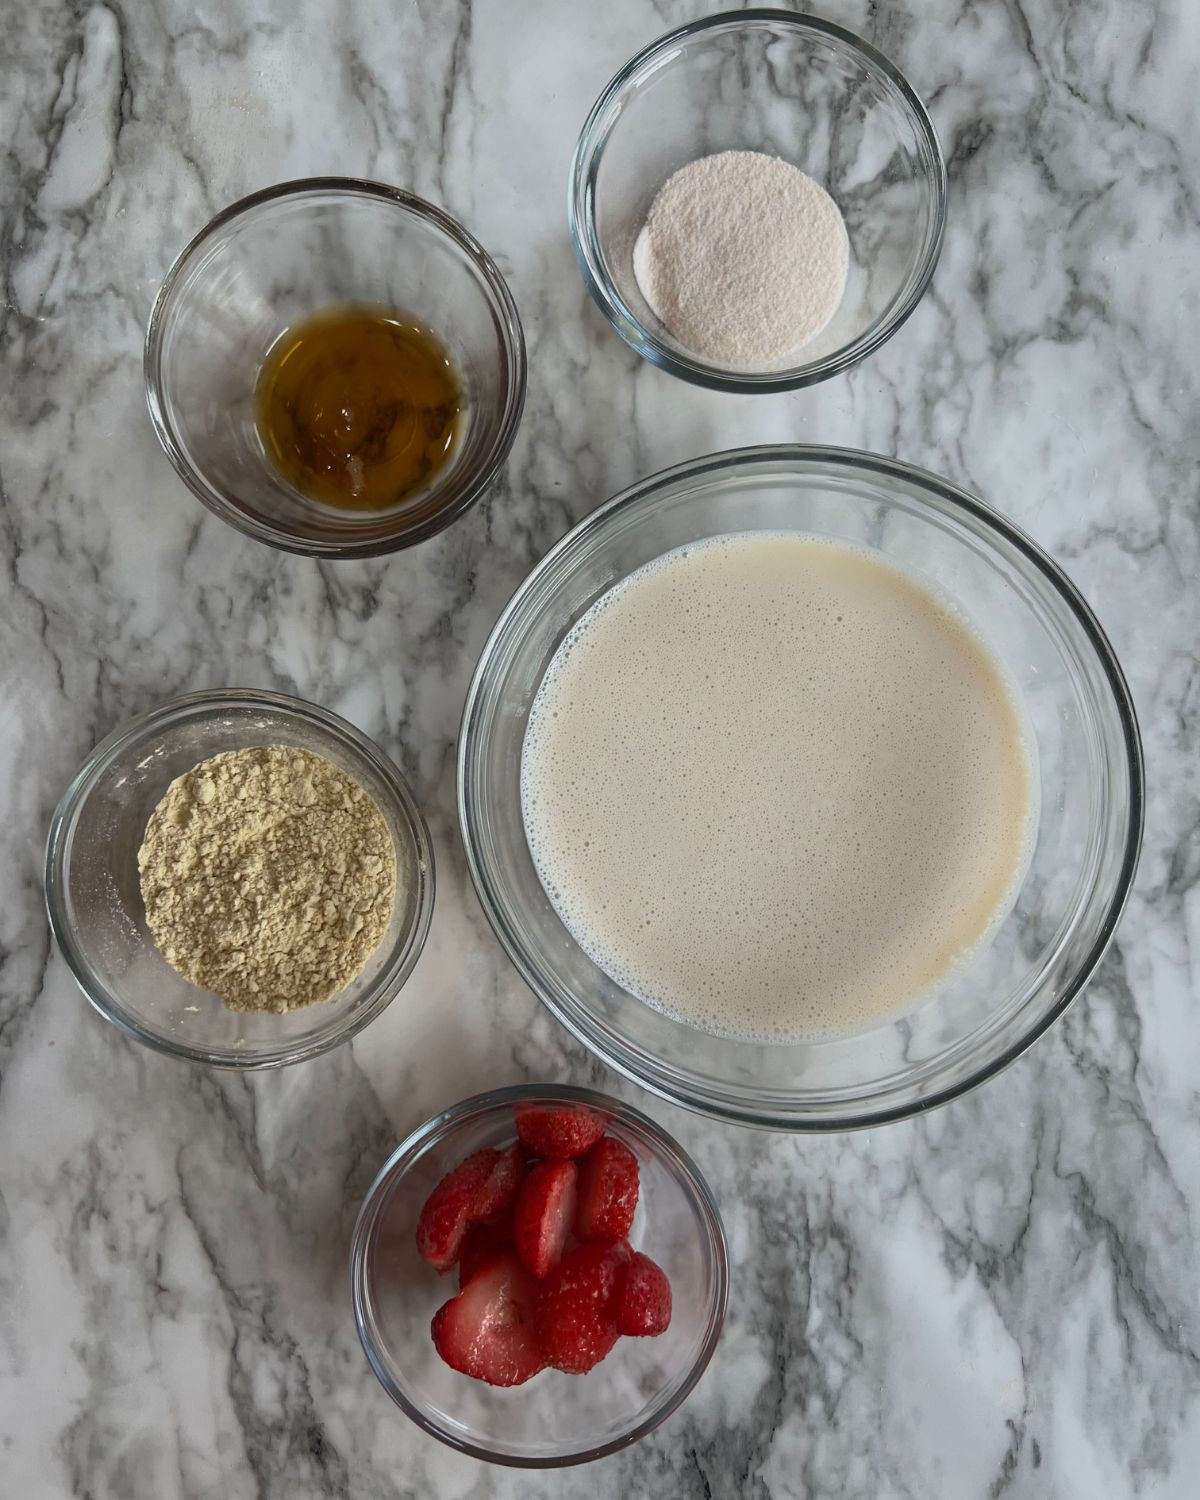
pixel 743 257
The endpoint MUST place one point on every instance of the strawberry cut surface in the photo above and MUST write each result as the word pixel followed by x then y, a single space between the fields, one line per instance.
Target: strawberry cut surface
pixel 487 1331
pixel 558 1131
pixel 575 1316
pixel 643 1305
pixel 498 1193
pixel 544 1214
pixel 450 1208
pixel 608 1191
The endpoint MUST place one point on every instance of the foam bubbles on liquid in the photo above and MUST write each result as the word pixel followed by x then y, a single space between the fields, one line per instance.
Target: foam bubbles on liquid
pixel 775 787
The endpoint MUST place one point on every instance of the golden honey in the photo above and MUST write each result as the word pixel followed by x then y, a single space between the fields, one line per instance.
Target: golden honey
pixel 359 407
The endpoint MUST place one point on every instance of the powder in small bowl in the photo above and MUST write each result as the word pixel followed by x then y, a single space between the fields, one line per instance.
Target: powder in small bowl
pixel 268 877
pixel 743 257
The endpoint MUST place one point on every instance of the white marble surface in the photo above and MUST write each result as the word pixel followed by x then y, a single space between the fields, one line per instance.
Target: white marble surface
pixel 1000 1299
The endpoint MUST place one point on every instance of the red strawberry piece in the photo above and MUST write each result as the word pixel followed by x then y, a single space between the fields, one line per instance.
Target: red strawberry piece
pixel 497 1194
pixel 643 1299
pixel 545 1209
pixel 558 1131
pixel 487 1331
pixel 481 1189
pixel 575 1316
pixel 483 1243
pixel 608 1191
pixel 450 1208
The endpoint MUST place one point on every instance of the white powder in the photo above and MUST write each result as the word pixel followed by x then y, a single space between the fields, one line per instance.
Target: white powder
pixel 743 257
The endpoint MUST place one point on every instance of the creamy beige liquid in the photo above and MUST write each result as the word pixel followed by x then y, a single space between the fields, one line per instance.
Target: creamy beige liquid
pixel 776 788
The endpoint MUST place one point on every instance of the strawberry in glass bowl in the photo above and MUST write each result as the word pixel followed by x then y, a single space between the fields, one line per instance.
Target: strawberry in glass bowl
pixel 539 1275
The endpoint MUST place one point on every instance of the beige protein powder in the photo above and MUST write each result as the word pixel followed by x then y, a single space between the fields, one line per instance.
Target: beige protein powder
pixel 268 877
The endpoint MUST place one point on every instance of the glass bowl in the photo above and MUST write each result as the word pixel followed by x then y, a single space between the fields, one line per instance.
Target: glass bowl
pixel 554 1419
pixel 797 88
pixel 1089 783
pixel 278 257
pixel 94 898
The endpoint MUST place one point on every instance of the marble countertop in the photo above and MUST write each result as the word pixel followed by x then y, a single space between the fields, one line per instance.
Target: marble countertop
pixel 999 1299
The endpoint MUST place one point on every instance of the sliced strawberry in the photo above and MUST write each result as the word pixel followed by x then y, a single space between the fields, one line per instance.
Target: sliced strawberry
pixel 558 1131
pixel 608 1191
pixel 496 1196
pixel 450 1207
pixel 643 1307
pixel 487 1331
pixel 545 1209
pixel 483 1243
pixel 575 1317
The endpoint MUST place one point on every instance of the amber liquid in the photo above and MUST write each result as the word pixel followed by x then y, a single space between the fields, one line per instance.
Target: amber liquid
pixel 359 407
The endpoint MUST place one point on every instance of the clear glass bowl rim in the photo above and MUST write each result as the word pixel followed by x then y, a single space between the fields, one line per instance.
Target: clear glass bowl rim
pixel 444 1123
pixel 498 295
pixel 389 984
pixel 591 260
pixel 983 520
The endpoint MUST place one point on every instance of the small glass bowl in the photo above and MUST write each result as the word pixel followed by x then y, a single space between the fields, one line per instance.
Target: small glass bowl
pixel 277 257
pixel 94 899
pixel 795 87
pixel 555 1419
pixel 1089 786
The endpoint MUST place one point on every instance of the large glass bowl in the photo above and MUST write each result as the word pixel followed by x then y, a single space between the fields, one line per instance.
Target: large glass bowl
pixel 94 897
pixel 795 87
pixel 555 1419
pixel 272 260
pixel 1089 785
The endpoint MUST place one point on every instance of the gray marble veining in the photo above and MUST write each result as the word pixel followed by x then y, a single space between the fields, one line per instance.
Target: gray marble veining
pixel 1000 1299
